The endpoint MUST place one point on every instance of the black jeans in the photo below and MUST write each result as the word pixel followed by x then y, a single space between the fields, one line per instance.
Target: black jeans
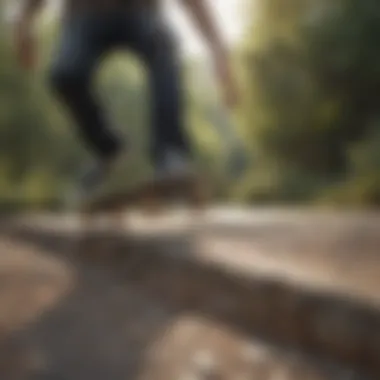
pixel 85 39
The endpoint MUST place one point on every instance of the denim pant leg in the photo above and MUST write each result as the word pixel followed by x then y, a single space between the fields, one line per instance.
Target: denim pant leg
pixel 83 42
pixel 152 41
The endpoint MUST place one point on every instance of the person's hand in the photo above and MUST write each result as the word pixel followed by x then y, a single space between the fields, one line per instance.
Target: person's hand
pixel 25 48
pixel 228 84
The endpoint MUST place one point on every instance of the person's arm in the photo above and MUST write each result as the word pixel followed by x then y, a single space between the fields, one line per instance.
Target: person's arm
pixel 203 19
pixel 24 32
pixel 202 16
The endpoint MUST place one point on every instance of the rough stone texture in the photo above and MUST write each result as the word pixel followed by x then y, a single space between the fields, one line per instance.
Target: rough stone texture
pixel 199 302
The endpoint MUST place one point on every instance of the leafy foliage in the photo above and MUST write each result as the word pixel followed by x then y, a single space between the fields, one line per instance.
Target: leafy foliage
pixel 314 75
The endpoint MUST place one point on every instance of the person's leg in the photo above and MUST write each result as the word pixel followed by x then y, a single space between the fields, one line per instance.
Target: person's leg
pixel 152 41
pixel 82 43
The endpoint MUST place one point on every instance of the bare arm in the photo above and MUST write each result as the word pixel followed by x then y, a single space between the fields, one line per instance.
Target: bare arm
pixel 23 32
pixel 202 17
pixel 25 18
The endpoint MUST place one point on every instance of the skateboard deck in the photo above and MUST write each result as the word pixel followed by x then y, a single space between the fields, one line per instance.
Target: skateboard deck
pixel 150 197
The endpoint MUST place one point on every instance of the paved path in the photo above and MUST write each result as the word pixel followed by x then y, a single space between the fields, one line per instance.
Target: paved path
pixel 62 317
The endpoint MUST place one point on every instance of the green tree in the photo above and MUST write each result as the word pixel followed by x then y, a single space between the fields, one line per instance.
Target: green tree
pixel 314 76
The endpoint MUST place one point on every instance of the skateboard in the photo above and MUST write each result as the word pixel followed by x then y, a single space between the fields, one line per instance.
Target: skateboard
pixel 151 198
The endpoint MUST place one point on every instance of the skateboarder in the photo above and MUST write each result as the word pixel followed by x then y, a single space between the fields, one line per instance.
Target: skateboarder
pixel 90 29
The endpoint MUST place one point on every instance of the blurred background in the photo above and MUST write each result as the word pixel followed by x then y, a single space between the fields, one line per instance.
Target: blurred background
pixel 309 119
pixel 271 293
